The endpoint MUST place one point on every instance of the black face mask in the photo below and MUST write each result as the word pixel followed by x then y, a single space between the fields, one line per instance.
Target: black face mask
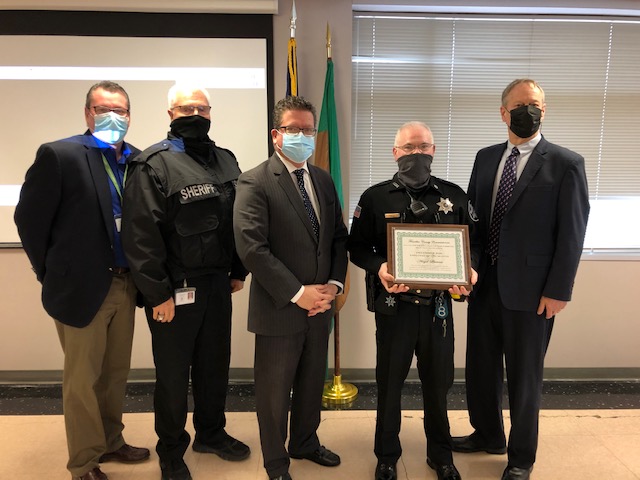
pixel 193 127
pixel 414 170
pixel 525 120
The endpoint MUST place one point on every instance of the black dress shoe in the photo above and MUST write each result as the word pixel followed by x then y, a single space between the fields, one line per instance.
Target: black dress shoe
pixel 175 470
pixel 516 473
pixel 321 456
pixel 286 476
pixel 445 472
pixel 126 454
pixel 469 444
pixel 386 471
pixel 229 449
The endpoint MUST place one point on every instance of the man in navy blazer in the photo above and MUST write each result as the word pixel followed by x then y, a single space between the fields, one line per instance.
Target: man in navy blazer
pixel 68 219
pixel 532 202
pixel 291 236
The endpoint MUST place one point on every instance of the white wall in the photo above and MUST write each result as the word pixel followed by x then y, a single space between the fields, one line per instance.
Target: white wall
pixel 599 328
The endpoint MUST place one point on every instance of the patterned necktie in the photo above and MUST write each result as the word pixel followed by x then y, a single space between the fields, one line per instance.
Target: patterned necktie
pixel 307 202
pixel 505 189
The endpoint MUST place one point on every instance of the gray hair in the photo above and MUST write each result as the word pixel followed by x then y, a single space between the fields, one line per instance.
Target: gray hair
pixel 411 124
pixel 183 88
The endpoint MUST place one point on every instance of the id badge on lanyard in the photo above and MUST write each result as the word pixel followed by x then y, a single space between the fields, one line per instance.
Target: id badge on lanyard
pixel 185 295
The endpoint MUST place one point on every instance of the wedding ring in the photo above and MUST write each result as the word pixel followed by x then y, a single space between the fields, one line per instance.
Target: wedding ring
pixel 161 316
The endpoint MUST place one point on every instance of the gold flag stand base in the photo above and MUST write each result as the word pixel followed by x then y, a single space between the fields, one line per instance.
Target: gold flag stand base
pixel 338 393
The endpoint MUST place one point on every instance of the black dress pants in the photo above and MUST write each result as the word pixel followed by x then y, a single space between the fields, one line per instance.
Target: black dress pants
pixel 522 338
pixel 290 371
pixel 196 344
pixel 414 330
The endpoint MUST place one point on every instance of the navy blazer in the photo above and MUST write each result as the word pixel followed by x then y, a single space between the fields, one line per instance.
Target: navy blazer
pixel 65 221
pixel 543 229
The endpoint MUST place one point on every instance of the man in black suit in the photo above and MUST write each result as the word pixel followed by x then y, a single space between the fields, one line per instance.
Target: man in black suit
pixel 532 200
pixel 291 236
pixel 68 218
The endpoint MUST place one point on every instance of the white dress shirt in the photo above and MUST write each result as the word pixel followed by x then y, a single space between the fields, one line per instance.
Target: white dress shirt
pixel 525 150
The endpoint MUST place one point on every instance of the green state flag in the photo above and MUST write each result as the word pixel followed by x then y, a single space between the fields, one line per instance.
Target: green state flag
pixel 327 155
pixel 327 143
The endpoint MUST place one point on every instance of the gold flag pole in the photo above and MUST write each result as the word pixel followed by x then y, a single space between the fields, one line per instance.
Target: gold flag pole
pixel 337 393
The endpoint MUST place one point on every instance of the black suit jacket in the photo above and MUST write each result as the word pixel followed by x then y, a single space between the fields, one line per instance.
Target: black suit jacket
pixel 543 229
pixel 65 221
pixel 276 243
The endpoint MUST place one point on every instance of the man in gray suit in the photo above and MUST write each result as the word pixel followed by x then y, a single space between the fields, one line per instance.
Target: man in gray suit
pixel 291 236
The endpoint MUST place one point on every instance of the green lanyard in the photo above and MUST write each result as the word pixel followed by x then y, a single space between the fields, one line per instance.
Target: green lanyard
pixel 112 177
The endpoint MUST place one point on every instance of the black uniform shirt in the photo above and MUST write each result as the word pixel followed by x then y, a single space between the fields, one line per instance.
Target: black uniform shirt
pixel 389 202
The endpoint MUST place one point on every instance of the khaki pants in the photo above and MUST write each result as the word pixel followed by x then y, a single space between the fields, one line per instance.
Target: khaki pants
pixel 96 365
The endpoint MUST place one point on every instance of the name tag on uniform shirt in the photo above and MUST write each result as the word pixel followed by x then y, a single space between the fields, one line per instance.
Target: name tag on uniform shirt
pixel 391 215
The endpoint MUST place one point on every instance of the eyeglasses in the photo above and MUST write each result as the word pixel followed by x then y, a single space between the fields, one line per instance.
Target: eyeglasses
pixel 100 110
pixel 189 109
pixel 307 132
pixel 423 147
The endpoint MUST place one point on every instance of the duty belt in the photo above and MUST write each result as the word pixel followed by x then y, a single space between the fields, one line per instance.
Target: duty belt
pixel 417 297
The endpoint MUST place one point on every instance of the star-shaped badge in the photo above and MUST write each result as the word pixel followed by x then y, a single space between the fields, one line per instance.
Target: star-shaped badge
pixel 445 205
pixel 390 301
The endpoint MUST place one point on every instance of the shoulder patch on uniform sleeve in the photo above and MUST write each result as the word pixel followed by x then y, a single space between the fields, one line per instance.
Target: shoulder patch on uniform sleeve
pixel 228 151
pixel 152 150
pixel 356 212
pixel 472 212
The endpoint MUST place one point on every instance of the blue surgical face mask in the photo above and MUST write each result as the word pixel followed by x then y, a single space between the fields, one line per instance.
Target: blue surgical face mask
pixel 110 127
pixel 297 147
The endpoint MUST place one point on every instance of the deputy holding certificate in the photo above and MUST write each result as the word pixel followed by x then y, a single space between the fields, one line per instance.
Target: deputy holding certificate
pixel 409 320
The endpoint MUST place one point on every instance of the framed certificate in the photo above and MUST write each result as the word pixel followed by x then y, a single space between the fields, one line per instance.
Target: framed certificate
pixel 429 256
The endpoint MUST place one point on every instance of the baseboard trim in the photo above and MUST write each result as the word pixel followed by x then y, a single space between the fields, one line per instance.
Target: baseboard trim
pixel 245 375
pixel 550 374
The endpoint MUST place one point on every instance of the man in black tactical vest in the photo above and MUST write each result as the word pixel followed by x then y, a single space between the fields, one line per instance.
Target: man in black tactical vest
pixel 178 238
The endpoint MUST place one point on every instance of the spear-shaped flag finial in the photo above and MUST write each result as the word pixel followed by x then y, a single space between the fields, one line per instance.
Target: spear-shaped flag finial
pixel 294 17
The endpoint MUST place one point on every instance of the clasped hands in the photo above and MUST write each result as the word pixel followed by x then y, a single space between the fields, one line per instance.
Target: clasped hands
pixel 317 298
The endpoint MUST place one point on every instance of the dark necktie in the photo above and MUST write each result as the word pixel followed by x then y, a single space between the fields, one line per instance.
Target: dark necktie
pixel 307 202
pixel 505 189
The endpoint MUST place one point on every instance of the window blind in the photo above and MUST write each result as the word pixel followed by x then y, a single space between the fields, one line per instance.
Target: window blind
pixel 450 72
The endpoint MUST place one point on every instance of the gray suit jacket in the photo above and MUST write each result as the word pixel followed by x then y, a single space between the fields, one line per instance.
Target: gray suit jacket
pixel 543 228
pixel 276 243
